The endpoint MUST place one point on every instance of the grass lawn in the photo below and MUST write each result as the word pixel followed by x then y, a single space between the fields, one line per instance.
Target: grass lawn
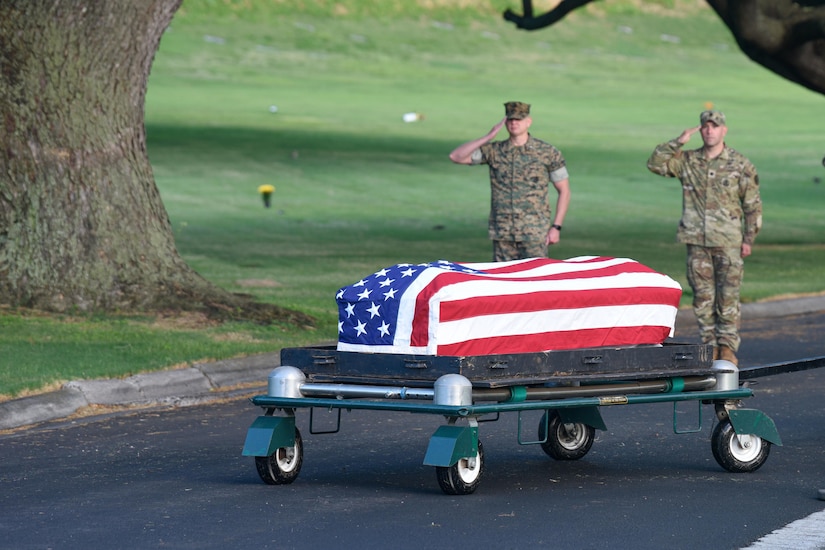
pixel 312 104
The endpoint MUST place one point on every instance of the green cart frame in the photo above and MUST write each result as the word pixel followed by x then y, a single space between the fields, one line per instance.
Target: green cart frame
pixel 570 387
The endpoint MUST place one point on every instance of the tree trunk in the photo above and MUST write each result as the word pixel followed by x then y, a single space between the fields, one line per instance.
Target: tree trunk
pixel 82 224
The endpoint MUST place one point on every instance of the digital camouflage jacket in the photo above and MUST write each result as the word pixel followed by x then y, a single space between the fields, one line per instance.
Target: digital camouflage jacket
pixel 519 184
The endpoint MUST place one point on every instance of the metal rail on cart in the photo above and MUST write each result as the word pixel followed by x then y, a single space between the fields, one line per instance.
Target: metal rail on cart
pixel 569 386
pixel 747 373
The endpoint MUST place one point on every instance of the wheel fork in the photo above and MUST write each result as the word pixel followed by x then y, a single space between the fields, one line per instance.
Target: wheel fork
pixel 747 423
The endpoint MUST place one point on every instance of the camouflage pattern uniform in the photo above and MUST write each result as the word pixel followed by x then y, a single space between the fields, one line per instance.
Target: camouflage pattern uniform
pixel 519 207
pixel 721 209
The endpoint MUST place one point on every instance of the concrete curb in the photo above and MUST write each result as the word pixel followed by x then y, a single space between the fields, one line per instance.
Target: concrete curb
pixel 203 381
pixel 773 308
pixel 41 408
pixel 784 308
pixel 207 381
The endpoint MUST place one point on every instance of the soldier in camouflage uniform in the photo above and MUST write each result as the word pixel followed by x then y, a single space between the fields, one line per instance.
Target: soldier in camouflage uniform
pixel 721 215
pixel 521 169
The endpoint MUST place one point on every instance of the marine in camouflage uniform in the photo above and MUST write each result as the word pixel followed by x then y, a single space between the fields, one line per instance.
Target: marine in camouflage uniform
pixel 721 216
pixel 521 169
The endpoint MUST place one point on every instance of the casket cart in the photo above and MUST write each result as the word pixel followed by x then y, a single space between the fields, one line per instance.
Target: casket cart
pixel 570 386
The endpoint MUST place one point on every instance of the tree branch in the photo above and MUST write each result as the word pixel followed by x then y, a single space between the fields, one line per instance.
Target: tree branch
pixel 530 23
pixel 786 37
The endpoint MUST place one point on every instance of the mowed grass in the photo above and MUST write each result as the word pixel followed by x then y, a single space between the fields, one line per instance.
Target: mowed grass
pixel 312 103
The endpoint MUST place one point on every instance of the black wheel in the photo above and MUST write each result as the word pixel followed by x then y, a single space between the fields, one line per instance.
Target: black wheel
pixel 463 477
pixel 738 452
pixel 282 466
pixel 565 440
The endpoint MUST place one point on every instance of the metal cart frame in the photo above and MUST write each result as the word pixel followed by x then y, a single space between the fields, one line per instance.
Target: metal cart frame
pixel 569 386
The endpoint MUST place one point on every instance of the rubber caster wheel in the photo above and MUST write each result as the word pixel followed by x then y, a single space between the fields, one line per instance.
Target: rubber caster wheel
pixel 565 440
pixel 738 452
pixel 282 466
pixel 463 477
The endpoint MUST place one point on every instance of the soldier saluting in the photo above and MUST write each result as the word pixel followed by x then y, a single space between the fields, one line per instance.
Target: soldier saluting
pixel 721 216
pixel 521 169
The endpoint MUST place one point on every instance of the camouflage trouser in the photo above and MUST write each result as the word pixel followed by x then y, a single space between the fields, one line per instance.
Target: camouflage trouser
pixel 504 251
pixel 715 275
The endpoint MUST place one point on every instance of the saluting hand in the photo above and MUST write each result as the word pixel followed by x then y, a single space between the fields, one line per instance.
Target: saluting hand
pixel 463 153
pixel 685 136
pixel 495 129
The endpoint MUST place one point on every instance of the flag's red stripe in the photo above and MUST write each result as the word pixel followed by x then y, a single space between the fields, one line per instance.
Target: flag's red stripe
pixel 525 265
pixel 558 340
pixel 557 299
pixel 538 301
pixel 419 336
pixel 540 262
pixel 453 277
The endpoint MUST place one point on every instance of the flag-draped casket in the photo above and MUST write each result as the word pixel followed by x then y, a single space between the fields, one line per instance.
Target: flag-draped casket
pixel 521 306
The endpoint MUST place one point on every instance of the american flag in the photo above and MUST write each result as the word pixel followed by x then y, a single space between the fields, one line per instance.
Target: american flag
pixel 522 306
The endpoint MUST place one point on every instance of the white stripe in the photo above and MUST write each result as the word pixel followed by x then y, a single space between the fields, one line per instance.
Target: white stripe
pixel 513 324
pixel 490 286
pixel 803 534
pixel 551 268
pixel 485 287
pixel 364 348
pixel 406 306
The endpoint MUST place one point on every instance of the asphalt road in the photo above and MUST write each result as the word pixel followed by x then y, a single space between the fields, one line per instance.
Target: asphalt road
pixel 175 477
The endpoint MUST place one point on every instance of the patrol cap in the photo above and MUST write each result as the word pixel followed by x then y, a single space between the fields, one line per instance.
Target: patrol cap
pixel 517 109
pixel 717 117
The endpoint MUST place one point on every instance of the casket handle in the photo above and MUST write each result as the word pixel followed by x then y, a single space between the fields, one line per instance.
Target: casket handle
pixel 323 360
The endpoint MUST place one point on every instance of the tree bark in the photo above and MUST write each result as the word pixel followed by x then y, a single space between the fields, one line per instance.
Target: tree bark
pixel 784 36
pixel 82 224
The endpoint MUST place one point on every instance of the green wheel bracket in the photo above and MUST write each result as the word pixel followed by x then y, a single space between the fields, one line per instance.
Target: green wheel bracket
pixel 269 433
pixel 451 443
pixel 589 416
pixel 754 422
